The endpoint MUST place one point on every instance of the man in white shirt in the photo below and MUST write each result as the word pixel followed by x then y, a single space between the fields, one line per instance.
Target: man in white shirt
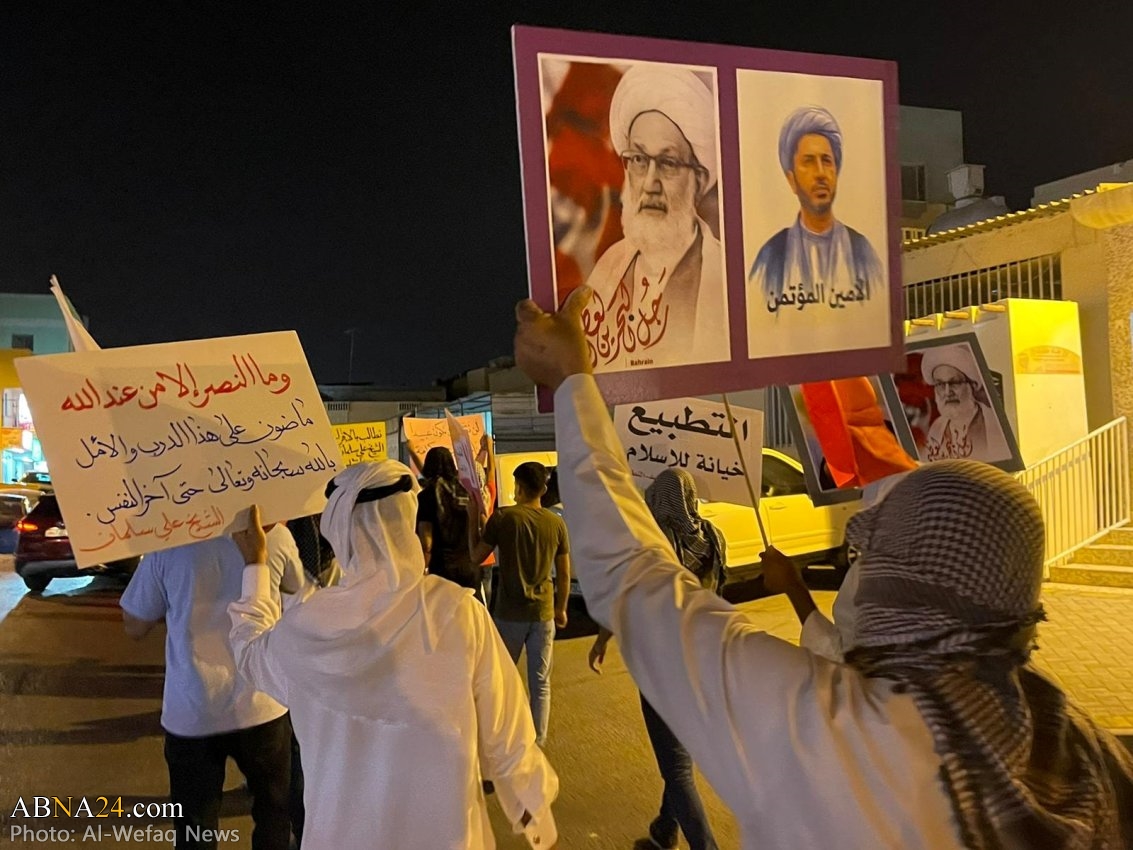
pixel 937 734
pixel 403 696
pixel 209 712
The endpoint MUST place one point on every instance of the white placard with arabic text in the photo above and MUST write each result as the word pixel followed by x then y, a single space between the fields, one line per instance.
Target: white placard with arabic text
pixel 155 446
pixel 693 434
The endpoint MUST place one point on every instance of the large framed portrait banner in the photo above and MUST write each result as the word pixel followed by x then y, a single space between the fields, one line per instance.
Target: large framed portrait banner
pixel 734 210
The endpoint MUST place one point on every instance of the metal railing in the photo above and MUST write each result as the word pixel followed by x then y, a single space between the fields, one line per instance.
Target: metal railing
pixel 1083 490
pixel 1037 277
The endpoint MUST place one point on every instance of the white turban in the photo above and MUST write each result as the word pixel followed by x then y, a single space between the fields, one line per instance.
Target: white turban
pixel 958 356
pixel 679 95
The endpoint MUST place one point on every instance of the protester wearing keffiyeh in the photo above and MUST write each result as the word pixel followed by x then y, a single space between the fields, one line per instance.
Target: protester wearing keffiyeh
pixel 946 605
pixel 698 545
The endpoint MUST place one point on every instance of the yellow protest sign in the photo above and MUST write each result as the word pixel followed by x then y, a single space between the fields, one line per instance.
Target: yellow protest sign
pixel 361 442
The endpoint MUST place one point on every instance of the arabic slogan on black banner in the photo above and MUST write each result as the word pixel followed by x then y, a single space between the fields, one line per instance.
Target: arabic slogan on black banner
pixel 156 446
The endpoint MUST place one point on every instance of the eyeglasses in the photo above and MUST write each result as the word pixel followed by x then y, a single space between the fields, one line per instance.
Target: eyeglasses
pixel 954 384
pixel 637 164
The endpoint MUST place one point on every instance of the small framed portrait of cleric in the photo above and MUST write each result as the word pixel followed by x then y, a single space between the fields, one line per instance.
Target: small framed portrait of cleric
pixel 952 403
pixel 849 433
pixel 816 252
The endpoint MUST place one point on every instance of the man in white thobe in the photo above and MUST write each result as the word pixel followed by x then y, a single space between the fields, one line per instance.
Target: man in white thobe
pixel 402 694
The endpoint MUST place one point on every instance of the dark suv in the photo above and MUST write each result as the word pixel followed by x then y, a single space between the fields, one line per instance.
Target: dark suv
pixel 43 549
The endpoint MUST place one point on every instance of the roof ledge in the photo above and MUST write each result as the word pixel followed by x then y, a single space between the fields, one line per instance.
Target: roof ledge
pixel 1110 206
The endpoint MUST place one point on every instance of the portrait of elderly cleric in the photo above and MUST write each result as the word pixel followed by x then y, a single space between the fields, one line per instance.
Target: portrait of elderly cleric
pixel 653 256
pixel 818 259
pixel 955 414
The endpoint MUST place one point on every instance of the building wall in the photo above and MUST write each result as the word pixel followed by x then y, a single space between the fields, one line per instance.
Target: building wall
pixel 1119 256
pixel 934 138
pixel 1084 277
pixel 35 315
pixel 1119 172
pixel 8 376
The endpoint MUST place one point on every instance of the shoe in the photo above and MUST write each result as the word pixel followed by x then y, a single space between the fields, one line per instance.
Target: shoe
pixel 667 841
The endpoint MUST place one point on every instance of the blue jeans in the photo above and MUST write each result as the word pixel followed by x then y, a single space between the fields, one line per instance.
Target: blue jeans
pixel 539 639
pixel 680 803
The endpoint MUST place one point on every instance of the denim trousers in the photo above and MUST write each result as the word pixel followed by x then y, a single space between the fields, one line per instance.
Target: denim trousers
pixel 539 639
pixel 196 781
pixel 680 802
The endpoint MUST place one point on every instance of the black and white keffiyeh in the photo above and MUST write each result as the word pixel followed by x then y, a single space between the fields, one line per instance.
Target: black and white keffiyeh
pixel 699 547
pixel 947 605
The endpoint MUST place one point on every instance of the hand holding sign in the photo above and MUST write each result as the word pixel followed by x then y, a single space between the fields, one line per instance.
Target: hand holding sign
pixel 465 460
pixel 550 347
pixel 252 541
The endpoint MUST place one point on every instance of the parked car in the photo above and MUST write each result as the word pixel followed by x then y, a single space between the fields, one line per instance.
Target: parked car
pixel 13 508
pixel 37 480
pixel 807 533
pixel 43 549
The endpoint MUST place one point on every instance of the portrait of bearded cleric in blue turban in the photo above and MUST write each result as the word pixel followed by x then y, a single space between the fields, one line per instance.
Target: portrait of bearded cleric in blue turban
pixel 815 214
pixel 817 256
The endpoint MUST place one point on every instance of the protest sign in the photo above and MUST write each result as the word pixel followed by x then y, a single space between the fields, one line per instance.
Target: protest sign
pixel 737 302
pixel 155 446
pixel 422 434
pixel 465 459
pixel 693 434
pixel 81 340
pixel 361 442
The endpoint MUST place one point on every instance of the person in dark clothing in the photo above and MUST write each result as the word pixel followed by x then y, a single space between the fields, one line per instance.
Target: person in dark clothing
pixel 700 547
pixel 442 522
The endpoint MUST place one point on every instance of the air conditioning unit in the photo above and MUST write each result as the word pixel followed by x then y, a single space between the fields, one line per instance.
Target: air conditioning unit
pixel 966 181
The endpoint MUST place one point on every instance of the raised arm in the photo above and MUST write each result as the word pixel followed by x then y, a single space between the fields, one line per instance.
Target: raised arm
pixel 255 613
pixel 726 689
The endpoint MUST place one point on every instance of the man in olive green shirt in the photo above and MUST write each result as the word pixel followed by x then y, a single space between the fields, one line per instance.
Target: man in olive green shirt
pixel 532 543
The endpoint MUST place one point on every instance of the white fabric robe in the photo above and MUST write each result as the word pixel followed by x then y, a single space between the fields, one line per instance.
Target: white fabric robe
pixel 806 752
pixel 394 753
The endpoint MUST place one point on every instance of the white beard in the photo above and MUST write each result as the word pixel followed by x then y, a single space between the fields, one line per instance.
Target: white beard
pixel 662 241
pixel 960 415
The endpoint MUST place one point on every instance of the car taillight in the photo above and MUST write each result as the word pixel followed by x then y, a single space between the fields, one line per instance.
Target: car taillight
pixel 23 526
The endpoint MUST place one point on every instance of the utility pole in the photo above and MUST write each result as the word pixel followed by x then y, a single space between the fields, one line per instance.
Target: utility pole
pixel 350 366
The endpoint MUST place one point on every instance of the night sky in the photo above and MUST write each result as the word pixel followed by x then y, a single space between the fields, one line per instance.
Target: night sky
pixel 195 169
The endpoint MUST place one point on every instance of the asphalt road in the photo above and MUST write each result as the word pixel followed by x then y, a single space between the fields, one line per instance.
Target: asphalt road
pixel 80 706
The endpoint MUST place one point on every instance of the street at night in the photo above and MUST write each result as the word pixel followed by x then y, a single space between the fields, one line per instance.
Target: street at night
pixel 80 704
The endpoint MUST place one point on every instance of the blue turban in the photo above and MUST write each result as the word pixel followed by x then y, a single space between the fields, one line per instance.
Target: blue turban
pixel 803 122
